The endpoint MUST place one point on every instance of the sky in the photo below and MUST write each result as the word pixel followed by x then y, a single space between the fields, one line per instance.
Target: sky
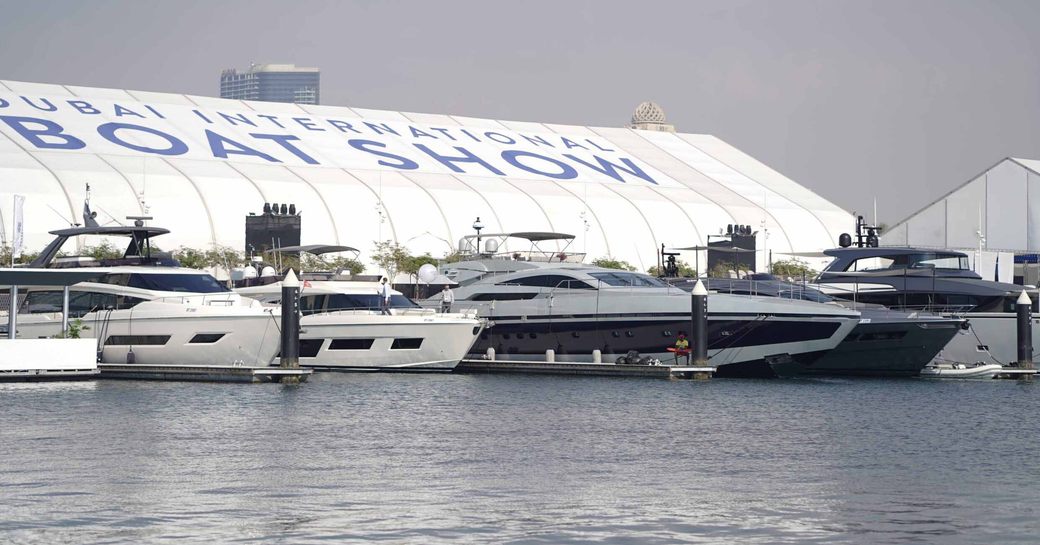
pixel 898 101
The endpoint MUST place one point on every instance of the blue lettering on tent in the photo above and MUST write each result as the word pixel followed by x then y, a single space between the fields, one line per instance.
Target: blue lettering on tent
pixel 219 145
pixel 466 157
pixel 416 133
pixel 83 107
pixel 499 137
pixel 402 163
pixel 121 111
pixel 537 140
pixel 4 103
pixel 611 169
pixel 308 124
pixel 49 106
pixel 108 132
pixel 571 143
pixel 284 141
pixel 599 147
pixel 381 128
pixel 49 135
pixel 235 119
pixel 566 172
pixel 343 126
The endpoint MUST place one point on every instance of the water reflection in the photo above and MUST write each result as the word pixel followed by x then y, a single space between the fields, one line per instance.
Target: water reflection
pixel 443 458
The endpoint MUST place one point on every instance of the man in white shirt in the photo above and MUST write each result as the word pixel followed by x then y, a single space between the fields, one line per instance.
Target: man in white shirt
pixel 384 293
pixel 447 298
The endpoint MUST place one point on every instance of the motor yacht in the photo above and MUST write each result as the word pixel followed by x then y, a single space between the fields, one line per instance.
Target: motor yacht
pixel 540 300
pixel 885 342
pixel 936 281
pixel 343 326
pixel 146 309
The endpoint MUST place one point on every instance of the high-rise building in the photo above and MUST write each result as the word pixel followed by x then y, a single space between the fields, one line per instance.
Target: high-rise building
pixel 272 83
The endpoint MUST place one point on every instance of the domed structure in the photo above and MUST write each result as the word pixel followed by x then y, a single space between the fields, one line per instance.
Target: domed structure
pixel 648 112
pixel 650 117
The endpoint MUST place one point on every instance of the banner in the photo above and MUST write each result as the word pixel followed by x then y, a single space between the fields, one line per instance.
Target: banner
pixel 18 241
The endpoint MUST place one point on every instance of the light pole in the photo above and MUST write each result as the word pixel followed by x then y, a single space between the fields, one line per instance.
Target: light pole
pixel 477 226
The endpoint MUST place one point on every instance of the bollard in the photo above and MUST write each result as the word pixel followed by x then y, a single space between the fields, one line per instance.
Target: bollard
pixel 490 353
pixel 290 324
pixel 12 314
pixel 597 356
pixel 699 324
pixel 550 356
pixel 1023 308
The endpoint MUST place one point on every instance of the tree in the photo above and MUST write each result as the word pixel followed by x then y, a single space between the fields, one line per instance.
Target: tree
pixel 685 270
pixel 722 269
pixel 792 268
pixel 412 263
pixel 390 256
pixel 611 263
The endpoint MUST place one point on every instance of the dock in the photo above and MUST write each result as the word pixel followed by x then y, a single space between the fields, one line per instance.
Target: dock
pixel 202 373
pixel 472 366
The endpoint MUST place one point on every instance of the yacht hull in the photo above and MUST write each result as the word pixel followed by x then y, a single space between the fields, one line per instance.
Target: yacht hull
pixel 172 334
pixel 366 341
pixel 880 348
pixel 739 345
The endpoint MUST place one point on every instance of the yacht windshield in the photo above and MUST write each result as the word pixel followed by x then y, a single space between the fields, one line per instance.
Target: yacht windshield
pixel 188 283
pixel 923 260
pixel 628 279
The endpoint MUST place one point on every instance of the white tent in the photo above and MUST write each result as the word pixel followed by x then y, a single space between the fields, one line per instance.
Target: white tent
pixel 999 208
pixel 198 165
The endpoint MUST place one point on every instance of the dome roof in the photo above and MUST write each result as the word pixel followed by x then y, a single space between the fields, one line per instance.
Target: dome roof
pixel 648 112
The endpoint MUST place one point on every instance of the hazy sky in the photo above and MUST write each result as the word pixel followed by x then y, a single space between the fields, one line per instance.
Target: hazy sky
pixel 902 100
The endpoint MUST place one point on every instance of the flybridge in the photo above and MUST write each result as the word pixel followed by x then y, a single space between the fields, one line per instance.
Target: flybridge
pixel 175 130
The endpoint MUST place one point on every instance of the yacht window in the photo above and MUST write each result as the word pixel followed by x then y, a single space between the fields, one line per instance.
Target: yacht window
pixel 364 301
pixel 124 340
pixel 80 302
pixel 310 304
pixel 192 283
pixel 206 338
pixel 309 348
pixel 503 296
pixel 548 281
pixel 406 344
pixel 628 279
pixel 351 344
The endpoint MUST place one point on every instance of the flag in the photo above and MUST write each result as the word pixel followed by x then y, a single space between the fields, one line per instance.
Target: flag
pixel 19 226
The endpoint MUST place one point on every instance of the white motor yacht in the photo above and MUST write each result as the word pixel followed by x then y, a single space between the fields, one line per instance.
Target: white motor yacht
pixel 343 327
pixel 148 310
pixel 548 300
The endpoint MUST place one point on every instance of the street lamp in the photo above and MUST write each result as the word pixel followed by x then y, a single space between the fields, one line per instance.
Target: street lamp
pixel 477 226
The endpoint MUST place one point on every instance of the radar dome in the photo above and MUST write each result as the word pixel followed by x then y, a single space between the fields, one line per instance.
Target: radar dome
pixel 427 273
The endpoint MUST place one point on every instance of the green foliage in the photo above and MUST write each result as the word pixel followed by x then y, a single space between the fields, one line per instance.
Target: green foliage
pixel 104 250
pixel 311 262
pixel 722 268
pixel 413 262
pixel 685 270
pixel 391 257
pixel 25 258
pixel 221 256
pixel 793 268
pixel 611 263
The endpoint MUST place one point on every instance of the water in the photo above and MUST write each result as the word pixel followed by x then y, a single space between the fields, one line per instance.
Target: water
pixel 520 460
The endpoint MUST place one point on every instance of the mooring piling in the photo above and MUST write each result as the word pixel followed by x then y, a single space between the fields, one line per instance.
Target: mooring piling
pixel 290 356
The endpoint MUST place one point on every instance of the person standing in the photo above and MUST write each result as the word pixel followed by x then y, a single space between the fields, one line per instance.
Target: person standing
pixel 447 298
pixel 384 296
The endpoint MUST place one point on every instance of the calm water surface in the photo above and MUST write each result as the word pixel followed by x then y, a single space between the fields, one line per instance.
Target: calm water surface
pixel 517 459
